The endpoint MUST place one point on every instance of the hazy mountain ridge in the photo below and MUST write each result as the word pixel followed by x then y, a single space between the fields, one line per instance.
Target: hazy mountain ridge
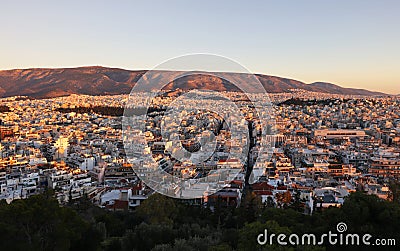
pixel 96 80
pixel 332 88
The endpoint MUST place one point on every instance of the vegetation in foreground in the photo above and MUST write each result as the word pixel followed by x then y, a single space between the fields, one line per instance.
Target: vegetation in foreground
pixel 162 223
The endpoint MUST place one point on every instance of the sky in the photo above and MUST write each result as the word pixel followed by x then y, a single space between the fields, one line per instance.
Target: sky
pixel 352 43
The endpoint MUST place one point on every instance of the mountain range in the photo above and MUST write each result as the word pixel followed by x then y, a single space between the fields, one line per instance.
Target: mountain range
pixel 97 80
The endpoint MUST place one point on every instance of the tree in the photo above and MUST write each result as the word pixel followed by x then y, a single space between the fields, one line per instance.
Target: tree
pixel 158 209
pixel 297 204
pixel 249 233
pixel 250 208
pixel 269 202
pixel 283 199
pixel 368 213
pixel 39 223
pixel 394 194
pixel 146 237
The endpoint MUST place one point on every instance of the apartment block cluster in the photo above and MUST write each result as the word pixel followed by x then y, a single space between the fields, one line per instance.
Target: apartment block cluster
pixel 323 148
pixel 75 154
pixel 328 148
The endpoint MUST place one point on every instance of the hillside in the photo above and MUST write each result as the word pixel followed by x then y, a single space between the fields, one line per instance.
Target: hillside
pixel 96 80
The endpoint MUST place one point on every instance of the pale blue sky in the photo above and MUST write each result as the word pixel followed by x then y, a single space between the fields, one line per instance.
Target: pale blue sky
pixel 350 43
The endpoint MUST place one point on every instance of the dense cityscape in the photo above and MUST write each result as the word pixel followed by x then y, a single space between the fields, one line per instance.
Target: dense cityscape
pixel 323 150
pixel 322 153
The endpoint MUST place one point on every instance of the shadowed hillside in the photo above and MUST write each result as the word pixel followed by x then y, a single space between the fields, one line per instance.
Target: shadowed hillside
pixel 46 83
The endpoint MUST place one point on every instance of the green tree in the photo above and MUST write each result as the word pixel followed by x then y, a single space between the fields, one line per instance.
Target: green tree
pixel 158 209
pixel 249 233
pixel 394 194
pixel 39 223
pixel 250 208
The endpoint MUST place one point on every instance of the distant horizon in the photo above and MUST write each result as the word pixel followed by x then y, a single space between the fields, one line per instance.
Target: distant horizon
pixel 143 69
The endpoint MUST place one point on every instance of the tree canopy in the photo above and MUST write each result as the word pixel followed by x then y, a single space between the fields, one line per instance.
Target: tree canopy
pixel 162 223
